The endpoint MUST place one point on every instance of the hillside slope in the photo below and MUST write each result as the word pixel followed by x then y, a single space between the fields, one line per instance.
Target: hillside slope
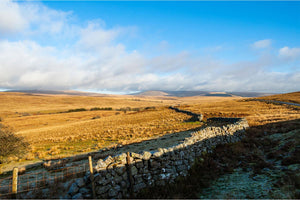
pixel 293 97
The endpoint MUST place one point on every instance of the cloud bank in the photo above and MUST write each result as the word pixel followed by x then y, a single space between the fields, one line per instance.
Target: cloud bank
pixel 42 48
pixel 261 44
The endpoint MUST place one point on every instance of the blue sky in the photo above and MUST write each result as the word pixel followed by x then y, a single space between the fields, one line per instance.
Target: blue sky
pixel 144 45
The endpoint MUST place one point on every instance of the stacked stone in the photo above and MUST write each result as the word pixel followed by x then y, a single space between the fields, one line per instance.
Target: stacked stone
pixel 79 189
pixel 195 116
pixel 111 179
pixel 157 167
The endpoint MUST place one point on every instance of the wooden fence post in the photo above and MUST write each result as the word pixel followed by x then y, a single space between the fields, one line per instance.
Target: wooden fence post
pixel 15 182
pixel 129 175
pixel 92 176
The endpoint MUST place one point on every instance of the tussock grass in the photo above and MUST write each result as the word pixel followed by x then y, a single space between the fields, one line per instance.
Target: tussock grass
pixel 293 97
pixel 52 132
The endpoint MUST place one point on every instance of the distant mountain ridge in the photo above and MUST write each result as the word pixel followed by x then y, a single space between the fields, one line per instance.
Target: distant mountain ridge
pixel 200 93
pixel 164 93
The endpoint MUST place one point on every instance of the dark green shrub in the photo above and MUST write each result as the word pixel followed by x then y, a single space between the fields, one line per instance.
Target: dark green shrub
pixel 77 110
pixel 96 117
pixel 150 108
pixel 97 108
pixel 136 109
pixel 10 144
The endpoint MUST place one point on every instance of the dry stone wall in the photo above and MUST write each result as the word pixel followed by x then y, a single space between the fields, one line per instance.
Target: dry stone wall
pixel 195 116
pixel 113 178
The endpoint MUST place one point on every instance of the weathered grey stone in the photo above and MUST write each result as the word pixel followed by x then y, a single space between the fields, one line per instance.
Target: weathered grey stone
pixel 139 164
pixel 165 176
pixel 154 164
pixel 113 192
pixel 136 155
pixel 96 178
pixel 101 164
pixel 125 176
pixel 200 117
pixel 80 182
pixel 108 160
pixel 108 176
pixel 121 158
pixel 181 168
pixel 87 179
pixel 87 196
pixel 158 154
pixel 146 162
pixel 179 146
pixel 84 190
pixel 178 162
pixel 73 189
pixel 102 189
pixel 113 183
pixel 118 179
pixel 77 196
pixel 138 178
pixel 123 184
pixel 183 173
pixel 181 154
pixel 103 181
pixel 113 172
pixel 120 170
pixel 134 170
pixel 143 170
pixel 30 195
pixel 147 177
pixel 170 169
pixel 146 155
pixel 45 193
pixel 139 186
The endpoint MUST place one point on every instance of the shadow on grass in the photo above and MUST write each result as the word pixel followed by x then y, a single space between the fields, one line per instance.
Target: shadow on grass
pixel 252 152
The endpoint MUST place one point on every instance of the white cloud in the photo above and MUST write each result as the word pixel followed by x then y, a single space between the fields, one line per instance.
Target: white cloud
pixel 31 18
pixel 289 53
pixel 11 18
pixel 163 45
pixel 98 59
pixel 261 44
pixel 94 36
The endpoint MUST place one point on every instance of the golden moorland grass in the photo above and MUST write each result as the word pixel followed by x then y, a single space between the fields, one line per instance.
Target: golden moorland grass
pixel 293 97
pixel 53 132
pixel 256 113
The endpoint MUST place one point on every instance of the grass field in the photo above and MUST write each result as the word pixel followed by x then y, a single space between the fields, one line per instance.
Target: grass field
pixel 46 123
pixel 53 132
pixel 293 97
pixel 256 113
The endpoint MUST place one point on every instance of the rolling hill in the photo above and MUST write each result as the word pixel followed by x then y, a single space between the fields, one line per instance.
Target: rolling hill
pixel 200 93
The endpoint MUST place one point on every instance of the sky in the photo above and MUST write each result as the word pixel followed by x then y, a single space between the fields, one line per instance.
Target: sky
pixel 123 47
